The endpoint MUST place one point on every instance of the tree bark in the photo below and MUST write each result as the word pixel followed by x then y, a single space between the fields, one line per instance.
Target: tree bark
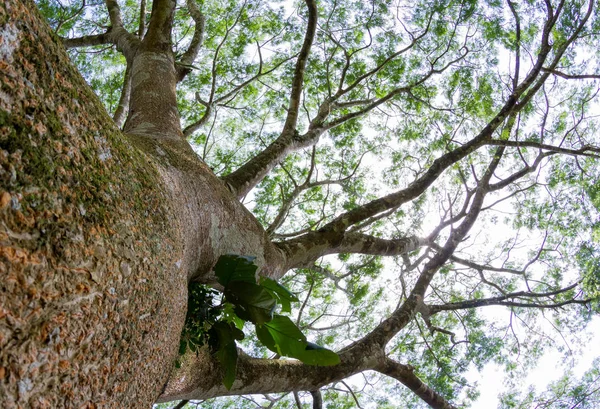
pixel 100 233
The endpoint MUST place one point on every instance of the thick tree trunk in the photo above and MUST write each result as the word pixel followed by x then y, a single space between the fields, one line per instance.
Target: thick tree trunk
pixel 99 234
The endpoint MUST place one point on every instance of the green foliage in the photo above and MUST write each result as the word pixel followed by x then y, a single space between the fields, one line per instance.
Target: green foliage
pixel 200 317
pixel 244 300
pixel 568 392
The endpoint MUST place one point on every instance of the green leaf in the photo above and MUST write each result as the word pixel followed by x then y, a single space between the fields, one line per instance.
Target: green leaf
pixel 229 315
pixel 252 302
pixel 227 357
pixel 283 295
pixel 235 268
pixel 182 347
pixel 317 355
pixel 282 336
pixel 222 343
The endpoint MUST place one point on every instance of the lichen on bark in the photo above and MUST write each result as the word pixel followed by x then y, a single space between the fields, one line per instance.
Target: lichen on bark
pixel 88 246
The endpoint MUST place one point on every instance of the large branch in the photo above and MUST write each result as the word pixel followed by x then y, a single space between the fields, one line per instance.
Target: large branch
pixel 87 41
pixel 572 76
pixel 405 375
pixel 142 22
pixel 200 375
pixel 158 36
pixel 242 180
pixel 303 251
pixel 116 34
pixel 126 42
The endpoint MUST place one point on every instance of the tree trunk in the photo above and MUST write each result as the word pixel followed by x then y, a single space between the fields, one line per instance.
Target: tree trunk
pixel 100 233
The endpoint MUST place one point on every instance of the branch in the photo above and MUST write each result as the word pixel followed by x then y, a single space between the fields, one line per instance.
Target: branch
pixel 317 399
pixel 386 330
pixel 479 267
pixel 116 34
pixel 181 404
pixel 393 93
pixel 123 108
pixel 503 300
pixel 114 13
pixel 126 42
pixel 158 36
pixel 297 81
pixel 571 76
pixel 200 375
pixel 184 66
pixel 242 180
pixel 289 201
pixel 586 150
pixel 303 251
pixel 297 400
pixel 406 376
pixel 87 41
pixel 193 127
pixel 520 173
pixel 142 22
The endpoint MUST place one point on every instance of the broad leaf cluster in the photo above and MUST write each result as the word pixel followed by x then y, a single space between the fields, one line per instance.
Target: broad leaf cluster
pixel 245 300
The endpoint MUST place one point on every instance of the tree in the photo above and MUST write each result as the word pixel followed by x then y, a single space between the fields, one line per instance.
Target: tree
pixel 399 166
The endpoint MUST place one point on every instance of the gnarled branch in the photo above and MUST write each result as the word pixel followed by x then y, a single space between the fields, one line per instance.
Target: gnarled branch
pixel 406 376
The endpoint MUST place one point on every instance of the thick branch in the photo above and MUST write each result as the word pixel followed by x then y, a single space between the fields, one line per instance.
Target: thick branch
pixel 126 42
pixel 242 180
pixel 303 251
pixel 158 36
pixel 116 34
pixel 142 22
pixel 87 41
pixel 317 399
pixel 406 376
pixel 200 376
pixel 586 150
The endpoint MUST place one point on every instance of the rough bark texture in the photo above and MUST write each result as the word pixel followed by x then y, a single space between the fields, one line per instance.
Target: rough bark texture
pixel 200 375
pixel 99 234
pixel 88 244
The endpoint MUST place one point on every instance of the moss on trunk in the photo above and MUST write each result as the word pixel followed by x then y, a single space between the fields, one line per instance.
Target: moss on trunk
pixel 88 240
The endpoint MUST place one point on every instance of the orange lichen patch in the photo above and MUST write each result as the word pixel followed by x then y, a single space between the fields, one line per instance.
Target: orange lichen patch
pixel 4 199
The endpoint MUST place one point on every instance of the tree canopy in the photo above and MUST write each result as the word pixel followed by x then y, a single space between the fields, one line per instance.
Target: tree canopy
pixel 430 167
